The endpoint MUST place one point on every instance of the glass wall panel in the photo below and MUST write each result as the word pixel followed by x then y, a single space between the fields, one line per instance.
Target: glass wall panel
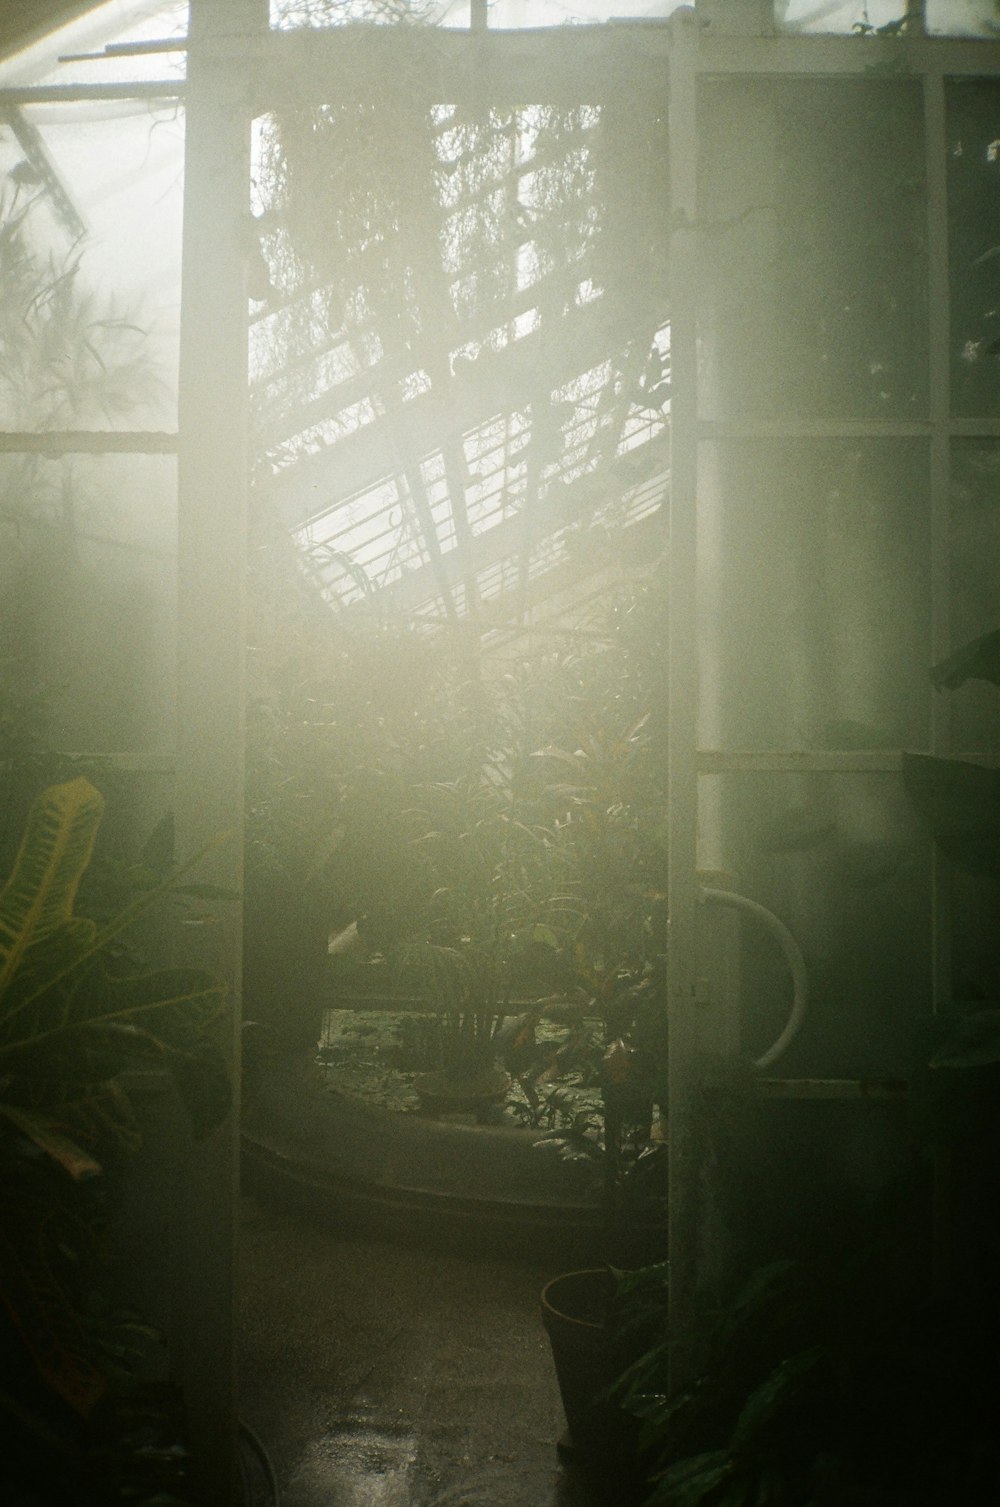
pixel 975 597
pixel 842 860
pixel 974 233
pixel 953 18
pixel 460 358
pixel 814 581
pixel 90 265
pixel 88 579
pixel 811 214
pixel 502 15
pixel 963 18
pixel 75 53
pixel 515 14
pixel 836 15
pixel 90 271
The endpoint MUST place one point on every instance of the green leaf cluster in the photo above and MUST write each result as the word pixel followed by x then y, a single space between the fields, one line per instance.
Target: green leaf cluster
pixel 71 1024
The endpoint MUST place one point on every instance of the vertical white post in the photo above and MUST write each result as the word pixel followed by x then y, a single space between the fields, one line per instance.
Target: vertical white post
pixel 683 696
pixel 212 548
pixel 939 405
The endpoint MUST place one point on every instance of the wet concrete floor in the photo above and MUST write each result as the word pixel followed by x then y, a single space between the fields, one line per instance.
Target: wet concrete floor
pixel 383 1375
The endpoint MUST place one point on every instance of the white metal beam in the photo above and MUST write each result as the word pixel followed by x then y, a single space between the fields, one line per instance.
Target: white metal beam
pixel 212 555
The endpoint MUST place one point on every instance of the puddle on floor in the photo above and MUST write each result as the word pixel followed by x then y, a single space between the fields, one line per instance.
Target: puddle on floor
pixel 365 1465
pixel 357 1466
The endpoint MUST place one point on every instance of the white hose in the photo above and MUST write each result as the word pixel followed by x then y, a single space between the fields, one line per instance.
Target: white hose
pixel 793 956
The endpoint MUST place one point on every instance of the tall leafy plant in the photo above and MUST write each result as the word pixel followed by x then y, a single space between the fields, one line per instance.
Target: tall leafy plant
pixel 71 1022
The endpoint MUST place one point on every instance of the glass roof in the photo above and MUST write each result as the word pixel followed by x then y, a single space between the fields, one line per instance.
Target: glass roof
pixel 461 355
pixel 459 324
pixel 459 328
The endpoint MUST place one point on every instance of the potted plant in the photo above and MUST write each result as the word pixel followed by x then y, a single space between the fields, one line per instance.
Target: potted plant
pixel 484 944
pixel 75 1017
pixel 839 1385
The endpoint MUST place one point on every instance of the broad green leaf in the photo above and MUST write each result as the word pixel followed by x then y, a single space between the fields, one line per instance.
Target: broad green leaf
pixel 765 1287
pixel 158 849
pixel 687 1483
pixel 38 898
pixel 49 1325
pixel 164 1002
pixel 47 1134
pixel 101 1112
pixel 765 1401
pixel 175 1003
pixel 978 660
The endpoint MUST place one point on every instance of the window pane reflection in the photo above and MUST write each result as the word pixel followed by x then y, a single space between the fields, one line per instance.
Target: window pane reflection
pixel 811 206
pixel 975 573
pixel 88 579
pixel 974 225
pixel 813 580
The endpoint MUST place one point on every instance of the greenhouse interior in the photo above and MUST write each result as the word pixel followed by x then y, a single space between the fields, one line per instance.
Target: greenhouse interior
pixel 500 753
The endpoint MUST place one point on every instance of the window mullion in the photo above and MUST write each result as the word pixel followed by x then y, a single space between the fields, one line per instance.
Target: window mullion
pixel 939 392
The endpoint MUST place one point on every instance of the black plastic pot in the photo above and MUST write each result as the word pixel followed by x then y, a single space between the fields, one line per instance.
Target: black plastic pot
pixel 589 1354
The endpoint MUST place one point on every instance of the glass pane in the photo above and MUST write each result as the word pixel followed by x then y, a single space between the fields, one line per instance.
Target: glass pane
pixel 88 578
pixel 502 15
pixel 461 358
pixel 843 861
pixel 75 53
pixel 963 18
pixel 812 244
pixel 836 15
pixel 975 575
pixel 813 589
pixel 90 265
pixel 286 15
pixel 974 233
pixel 514 14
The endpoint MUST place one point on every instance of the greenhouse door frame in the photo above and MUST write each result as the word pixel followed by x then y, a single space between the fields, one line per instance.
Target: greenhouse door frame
pixel 235 67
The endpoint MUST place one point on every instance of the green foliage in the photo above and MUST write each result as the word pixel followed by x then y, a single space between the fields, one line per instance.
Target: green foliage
pixel 959 802
pixel 70 1024
pixel 977 660
pixel 486 928
pixel 820 1388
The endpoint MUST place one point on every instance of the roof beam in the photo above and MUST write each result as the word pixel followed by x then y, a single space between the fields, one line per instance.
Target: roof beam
pixel 558 508
pixel 495 383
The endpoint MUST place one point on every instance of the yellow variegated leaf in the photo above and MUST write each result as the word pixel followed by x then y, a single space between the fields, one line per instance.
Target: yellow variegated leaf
pixel 38 898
